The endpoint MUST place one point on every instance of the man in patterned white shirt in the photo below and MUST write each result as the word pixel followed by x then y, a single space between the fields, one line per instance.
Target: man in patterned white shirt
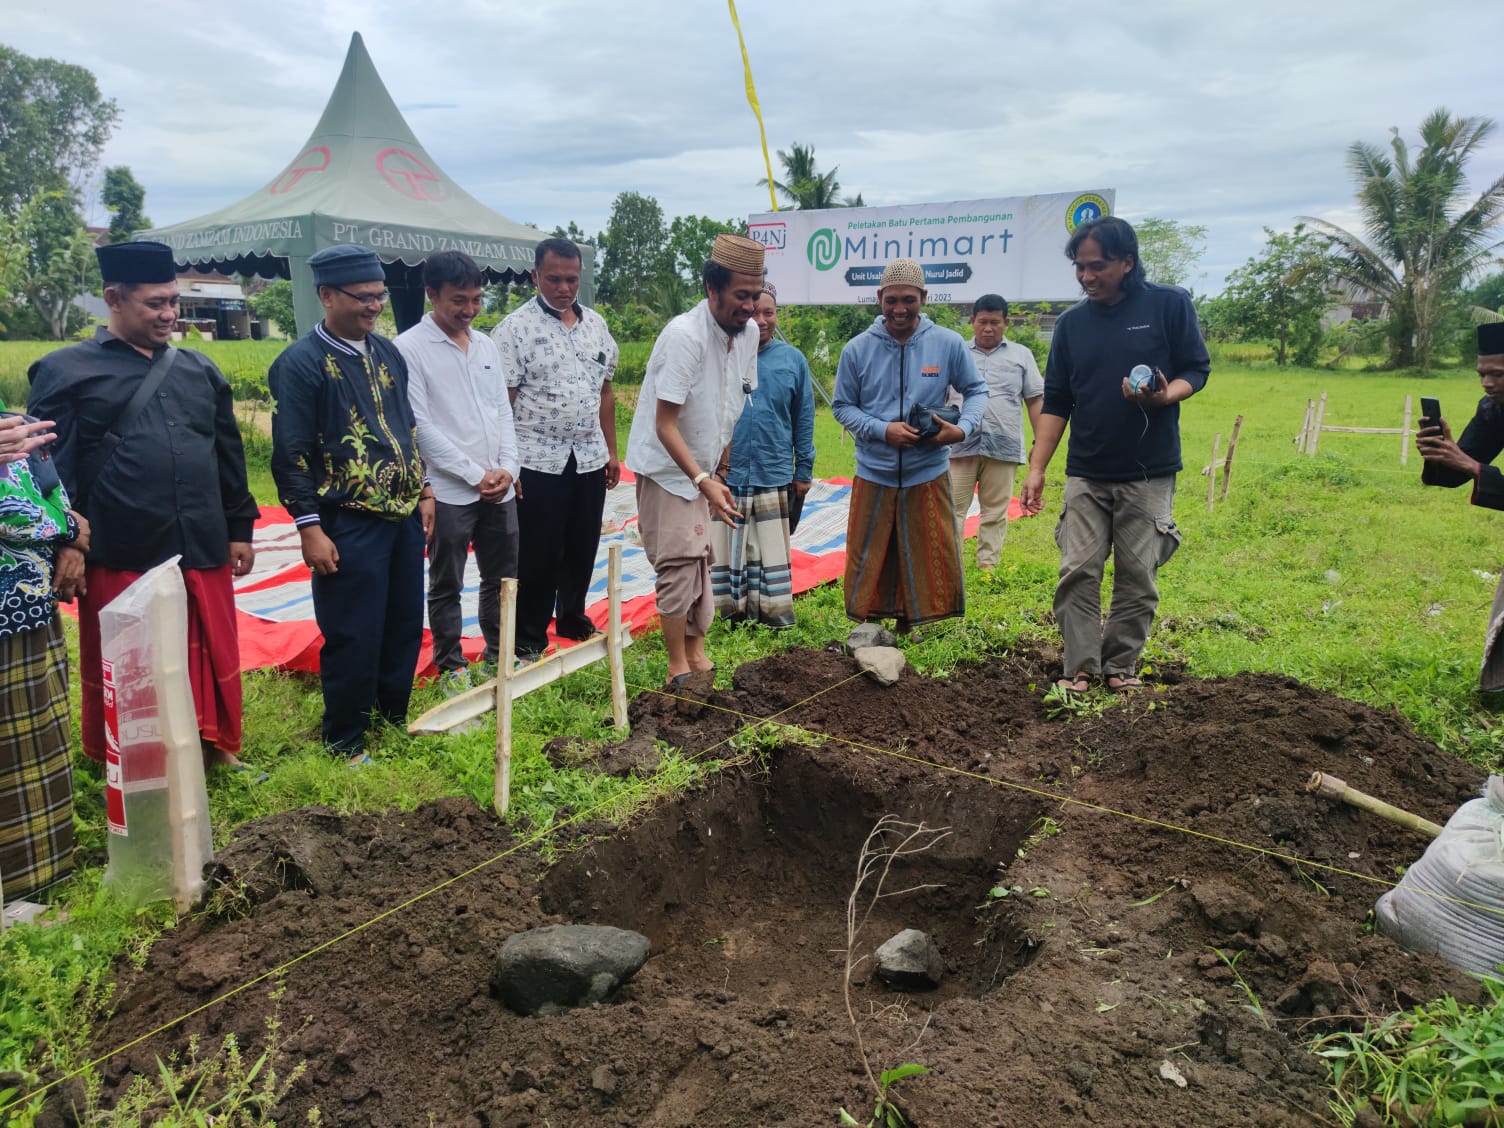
pixel 559 359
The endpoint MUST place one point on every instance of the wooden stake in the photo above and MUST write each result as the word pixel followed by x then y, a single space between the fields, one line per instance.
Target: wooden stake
pixel 502 795
pixel 1316 426
pixel 1305 428
pixel 614 645
pixel 1405 434
pixel 1232 445
pixel 1211 473
pixel 1330 787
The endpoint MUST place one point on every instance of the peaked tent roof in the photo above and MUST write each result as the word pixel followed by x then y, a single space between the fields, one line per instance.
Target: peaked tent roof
pixel 361 177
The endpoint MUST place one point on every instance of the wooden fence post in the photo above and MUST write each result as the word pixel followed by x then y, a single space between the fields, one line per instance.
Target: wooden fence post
pixel 1232 445
pixel 1405 433
pixel 503 788
pixel 1211 473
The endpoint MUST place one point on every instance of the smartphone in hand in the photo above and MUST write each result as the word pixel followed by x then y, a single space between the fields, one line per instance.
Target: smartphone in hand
pixel 1430 411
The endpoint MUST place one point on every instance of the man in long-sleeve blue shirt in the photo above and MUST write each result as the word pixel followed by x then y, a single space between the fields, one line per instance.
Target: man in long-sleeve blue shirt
pixel 772 465
pixel 1124 449
pixel 903 560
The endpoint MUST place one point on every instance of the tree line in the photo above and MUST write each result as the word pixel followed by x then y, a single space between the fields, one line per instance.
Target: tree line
pixel 1426 258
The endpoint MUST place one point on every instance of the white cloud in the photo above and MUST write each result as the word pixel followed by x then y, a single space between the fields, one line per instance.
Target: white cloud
pixel 1236 118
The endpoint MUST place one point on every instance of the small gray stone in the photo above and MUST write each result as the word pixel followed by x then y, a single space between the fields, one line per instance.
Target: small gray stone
pixel 869 634
pixel 884 664
pixel 603 1081
pixel 910 961
pixel 553 969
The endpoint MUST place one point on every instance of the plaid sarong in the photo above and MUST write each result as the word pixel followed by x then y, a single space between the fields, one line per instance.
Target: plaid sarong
pixel 903 560
pixel 751 576
pixel 36 781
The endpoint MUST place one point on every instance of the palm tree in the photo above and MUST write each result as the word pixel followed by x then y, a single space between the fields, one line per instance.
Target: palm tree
pixel 1424 239
pixel 804 186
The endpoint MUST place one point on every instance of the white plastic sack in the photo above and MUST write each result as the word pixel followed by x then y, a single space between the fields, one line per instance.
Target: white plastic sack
pixel 156 804
pixel 1451 902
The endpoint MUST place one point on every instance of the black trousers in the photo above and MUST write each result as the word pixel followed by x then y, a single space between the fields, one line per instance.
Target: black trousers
pixel 371 614
pixel 559 527
pixel 492 528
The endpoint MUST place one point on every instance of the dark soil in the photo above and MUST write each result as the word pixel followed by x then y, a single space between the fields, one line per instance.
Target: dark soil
pixel 1063 1000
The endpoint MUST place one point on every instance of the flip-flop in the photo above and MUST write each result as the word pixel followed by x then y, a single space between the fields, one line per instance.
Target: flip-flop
pixel 360 761
pixel 1074 686
pixel 1127 683
pixel 243 768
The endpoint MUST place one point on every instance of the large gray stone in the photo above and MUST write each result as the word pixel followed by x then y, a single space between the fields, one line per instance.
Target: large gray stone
pixel 884 664
pixel 553 969
pixel 869 634
pixel 910 961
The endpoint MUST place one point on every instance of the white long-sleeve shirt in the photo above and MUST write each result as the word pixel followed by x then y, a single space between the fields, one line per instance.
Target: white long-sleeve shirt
pixel 459 399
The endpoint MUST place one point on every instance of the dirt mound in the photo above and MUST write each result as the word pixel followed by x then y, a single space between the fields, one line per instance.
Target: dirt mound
pixel 1111 957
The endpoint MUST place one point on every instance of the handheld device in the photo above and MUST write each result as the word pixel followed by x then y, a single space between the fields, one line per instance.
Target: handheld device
pixel 1430 411
pixel 1141 377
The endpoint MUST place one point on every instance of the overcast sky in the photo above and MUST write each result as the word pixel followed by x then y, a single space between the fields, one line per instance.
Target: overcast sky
pixel 1235 117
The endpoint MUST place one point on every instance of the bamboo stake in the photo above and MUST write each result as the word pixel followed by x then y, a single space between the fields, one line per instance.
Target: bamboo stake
pixel 1330 787
pixel 1405 434
pixel 1305 428
pixel 614 641
pixel 1211 474
pixel 1232 445
pixel 502 795
pixel 1316 427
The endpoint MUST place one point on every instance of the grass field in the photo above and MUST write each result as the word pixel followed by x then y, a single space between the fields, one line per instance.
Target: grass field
pixel 1340 570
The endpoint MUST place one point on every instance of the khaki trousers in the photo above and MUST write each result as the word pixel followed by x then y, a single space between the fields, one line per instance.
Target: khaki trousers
pixel 993 480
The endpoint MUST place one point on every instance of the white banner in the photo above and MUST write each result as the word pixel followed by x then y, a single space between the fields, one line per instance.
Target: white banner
pixel 1014 247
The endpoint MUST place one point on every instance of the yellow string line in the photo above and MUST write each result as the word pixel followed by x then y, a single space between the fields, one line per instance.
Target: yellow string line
pixel 752 101
pixel 627 792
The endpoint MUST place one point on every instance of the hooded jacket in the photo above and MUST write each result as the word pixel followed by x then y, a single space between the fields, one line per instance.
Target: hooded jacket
pixel 880 378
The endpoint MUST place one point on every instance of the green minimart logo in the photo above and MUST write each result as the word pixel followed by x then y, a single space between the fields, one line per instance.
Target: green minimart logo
pixel 824 249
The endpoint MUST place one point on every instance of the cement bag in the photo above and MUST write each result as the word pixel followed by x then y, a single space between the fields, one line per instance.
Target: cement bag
pixel 156 804
pixel 1451 902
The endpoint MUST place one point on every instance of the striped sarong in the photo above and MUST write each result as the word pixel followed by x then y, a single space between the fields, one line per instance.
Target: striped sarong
pixel 751 576
pixel 36 780
pixel 903 560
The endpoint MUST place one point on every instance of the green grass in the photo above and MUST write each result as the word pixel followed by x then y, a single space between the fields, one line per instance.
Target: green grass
pixel 1341 570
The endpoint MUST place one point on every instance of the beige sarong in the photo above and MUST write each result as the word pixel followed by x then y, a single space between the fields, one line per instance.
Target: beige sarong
pixel 676 538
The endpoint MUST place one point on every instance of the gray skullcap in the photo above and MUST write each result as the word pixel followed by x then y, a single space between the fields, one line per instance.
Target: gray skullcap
pixel 345 263
pixel 1491 339
pixel 902 272
pixel 136 262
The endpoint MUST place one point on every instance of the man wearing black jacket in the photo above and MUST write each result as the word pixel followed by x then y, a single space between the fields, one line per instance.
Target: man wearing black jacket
pixel 1124 448
pixel 1466 460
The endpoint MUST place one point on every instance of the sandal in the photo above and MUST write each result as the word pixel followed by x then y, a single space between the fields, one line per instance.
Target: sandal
pixel 1074 686
pixel 1127 683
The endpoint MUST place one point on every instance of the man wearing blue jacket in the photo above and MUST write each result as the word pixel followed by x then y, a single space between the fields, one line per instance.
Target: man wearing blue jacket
pixel 1124 450
pixel 903 558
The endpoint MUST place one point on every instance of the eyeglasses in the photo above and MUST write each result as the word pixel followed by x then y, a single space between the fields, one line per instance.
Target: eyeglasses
pixel 365 299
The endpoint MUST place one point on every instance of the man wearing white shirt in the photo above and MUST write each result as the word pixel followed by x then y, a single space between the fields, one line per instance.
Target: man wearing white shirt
pixel 465 436
pixel 703 368
pixel 559 360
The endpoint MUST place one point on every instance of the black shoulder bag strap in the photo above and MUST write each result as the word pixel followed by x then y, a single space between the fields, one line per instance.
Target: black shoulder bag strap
pixel 110 442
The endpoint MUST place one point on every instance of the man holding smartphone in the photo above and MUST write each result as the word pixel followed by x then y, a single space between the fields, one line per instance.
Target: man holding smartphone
pixel 1453 463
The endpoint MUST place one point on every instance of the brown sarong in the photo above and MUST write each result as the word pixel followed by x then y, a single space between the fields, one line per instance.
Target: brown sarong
pixel 213 654
pixel 676 538
pixel 903 561
pixel 36 779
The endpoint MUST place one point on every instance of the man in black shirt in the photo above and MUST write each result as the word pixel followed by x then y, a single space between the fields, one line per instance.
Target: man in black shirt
pixel 1467 460
pixel 157 478
pixel 1124 449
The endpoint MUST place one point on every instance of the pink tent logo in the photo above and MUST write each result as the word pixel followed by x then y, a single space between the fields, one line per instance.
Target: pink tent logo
pixel 304 163
pixel 409 175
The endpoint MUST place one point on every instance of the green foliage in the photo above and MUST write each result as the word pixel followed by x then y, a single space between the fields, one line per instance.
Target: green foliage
pixel 804 187
pixel 1170 250
pixel 53 125
pixel 1281 294
pixel 1435 1064
pixel 887 1114
pixel 274 304
pixel 1425 237
pixel 690 239
pixel 48 260
pixel 631 321
pixel 125 198
pixel 636 263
